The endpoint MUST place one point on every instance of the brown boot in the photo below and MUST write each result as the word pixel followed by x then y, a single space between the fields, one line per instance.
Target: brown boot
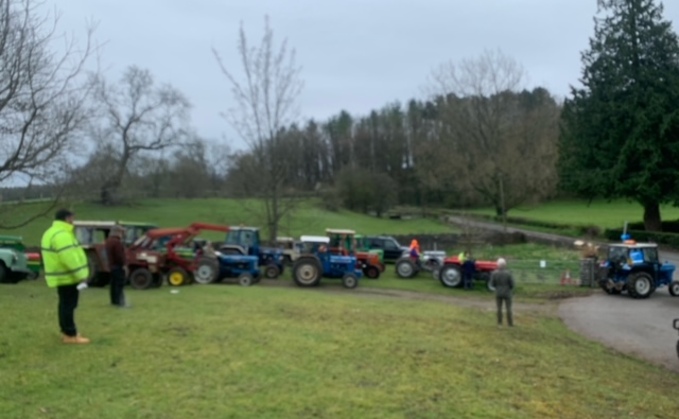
pixel 75 339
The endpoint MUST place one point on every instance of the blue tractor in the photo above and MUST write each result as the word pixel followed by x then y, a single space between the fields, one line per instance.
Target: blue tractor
pixel 245 241
pixel 635 268
pixel 316 262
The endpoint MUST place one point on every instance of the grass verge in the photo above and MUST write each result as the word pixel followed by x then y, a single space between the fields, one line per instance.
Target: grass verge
pixel 227 351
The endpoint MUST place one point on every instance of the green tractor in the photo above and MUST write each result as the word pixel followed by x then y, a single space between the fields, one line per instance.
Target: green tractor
pixel 15 263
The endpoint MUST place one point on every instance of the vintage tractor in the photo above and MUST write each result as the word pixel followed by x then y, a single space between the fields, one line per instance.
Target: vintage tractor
pixel 245 241
pixel 362 245
pixel 290 248
pixel 14 265
pixel 316 262
pixel 635 268
pixel 92 236
pixel 174 253
pixel 429 261
pixel 450 274
pixel 342 243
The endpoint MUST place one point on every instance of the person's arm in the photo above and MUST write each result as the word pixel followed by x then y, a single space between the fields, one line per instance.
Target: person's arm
pixel 511 281
pixel 492 279
pixel 70 254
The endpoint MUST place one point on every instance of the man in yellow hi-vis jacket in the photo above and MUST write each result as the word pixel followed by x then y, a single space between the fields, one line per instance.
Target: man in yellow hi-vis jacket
pixel 66 266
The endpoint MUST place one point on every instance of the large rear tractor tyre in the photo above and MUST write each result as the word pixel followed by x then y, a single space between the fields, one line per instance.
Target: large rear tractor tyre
pixel 405 268
pixel 674 288
pixel 177 277
pixel 349 281
pixel 451 276
pixel 141 279
pixel 640 285
pixel 207 271
pixel 372 272
pixel 271 271
pixel 307 272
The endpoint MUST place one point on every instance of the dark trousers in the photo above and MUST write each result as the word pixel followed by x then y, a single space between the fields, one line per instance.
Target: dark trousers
pixel 68 302
pixel 117 285
pixel 468 278
pixel 508 306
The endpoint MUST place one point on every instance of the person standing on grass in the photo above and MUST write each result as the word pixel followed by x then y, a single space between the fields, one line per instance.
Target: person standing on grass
pixel 503 281
pixel 468 269
pixel 65 265
pixel 115 250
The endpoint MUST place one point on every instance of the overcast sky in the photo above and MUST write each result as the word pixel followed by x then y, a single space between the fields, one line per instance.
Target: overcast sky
pixel 356 54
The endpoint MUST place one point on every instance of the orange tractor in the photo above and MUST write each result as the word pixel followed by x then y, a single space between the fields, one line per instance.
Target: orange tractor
pixel 343 242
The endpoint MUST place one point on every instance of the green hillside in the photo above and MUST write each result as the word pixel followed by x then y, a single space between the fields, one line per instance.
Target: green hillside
pixel 309 217
pixel 599 212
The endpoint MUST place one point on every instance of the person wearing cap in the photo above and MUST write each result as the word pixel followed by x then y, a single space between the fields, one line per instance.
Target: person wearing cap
pixel 115 250
pixel 503 281
pixel 65 265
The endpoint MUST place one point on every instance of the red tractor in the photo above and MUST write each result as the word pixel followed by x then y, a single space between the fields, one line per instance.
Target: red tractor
pixel 169 252
pixel 450 274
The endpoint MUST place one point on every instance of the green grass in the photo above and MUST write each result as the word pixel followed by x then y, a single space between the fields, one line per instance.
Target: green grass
pixel 309 218
pixel 270 352
pixel 599 212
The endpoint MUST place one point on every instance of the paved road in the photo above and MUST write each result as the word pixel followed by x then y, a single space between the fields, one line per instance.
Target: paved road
pixel 641 328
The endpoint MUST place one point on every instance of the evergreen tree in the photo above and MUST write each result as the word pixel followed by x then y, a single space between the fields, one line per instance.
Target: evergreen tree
pixel 620 136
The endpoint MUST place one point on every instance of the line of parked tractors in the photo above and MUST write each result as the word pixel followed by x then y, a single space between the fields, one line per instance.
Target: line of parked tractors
pixel 178 256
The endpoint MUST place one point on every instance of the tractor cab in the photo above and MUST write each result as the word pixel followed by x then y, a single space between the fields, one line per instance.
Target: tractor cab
pixel 247 241
pixel 634 267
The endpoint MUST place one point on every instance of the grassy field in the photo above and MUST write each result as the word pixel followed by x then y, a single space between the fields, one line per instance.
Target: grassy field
pixel 599 212
pixel 270 352
pixel 309 218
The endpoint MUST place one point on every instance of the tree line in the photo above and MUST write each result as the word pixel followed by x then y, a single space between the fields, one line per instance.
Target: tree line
pixel 481 136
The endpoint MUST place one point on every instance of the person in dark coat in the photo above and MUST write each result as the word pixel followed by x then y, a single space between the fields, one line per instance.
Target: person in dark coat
pixel 115 250
pixel 468 269
pixel 503 281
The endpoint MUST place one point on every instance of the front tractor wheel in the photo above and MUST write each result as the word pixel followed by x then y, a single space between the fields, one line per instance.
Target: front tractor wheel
pixel 674 289
pixel 246 279
pixel 371 271
pixel 405 268
pixel 641 285
pixel 451 276
pixel 271 271
pixel 350 281
pixel 177 277
pixel 307 272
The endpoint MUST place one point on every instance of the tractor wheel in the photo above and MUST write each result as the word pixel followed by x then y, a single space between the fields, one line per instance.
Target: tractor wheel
pixel 451 276
pixel 141 279
pixel 246 279
pixel 207 271
pixel 177 277
pixel 372 272
pixel 641 285
pixel 307 272
pixel 674 288
pixel 271 271
pixel 405 268
pixel 350 281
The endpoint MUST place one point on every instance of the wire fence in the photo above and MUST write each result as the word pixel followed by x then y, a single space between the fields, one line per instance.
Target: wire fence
pixel 554 272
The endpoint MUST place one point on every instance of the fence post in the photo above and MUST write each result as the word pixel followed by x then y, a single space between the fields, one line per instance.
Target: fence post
pixel 587 272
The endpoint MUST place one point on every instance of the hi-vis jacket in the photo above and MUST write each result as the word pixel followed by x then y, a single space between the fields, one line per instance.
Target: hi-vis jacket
pixel 64 259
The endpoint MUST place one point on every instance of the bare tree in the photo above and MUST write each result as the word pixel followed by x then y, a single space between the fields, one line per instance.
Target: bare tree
pixel 504 151
pixel 43 101
pixel 266 102
pixel 138 117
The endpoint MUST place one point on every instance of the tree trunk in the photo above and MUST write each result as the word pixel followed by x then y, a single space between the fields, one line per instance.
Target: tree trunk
pixel 652 220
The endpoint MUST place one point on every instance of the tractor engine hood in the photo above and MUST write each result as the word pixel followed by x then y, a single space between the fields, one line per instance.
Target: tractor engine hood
pixel 237 258
pixel 342 259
